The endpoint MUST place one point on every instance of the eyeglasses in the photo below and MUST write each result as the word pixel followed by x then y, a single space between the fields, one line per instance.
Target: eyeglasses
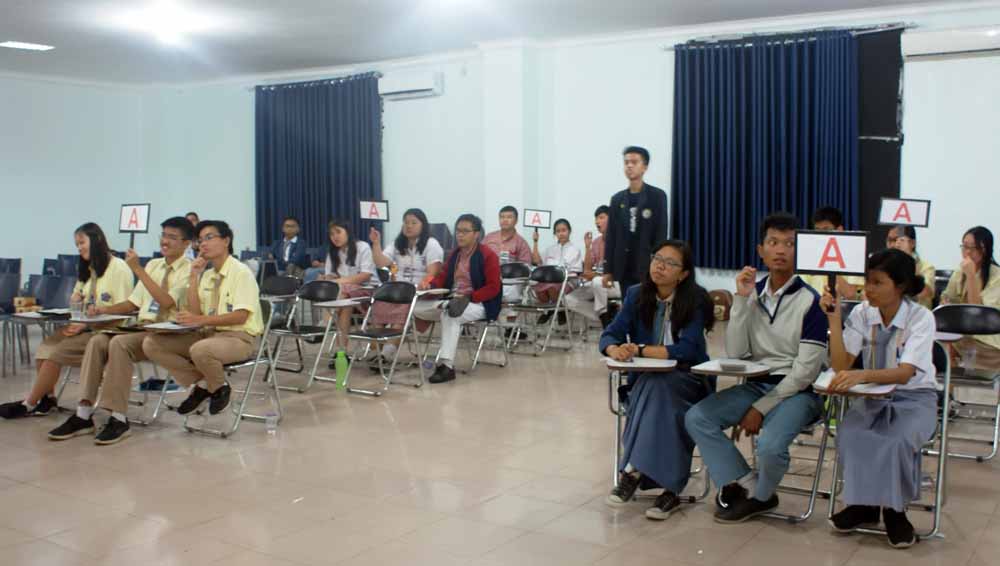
pixel 463 231
pixel 172 237
pixel 966 248
pixel 774 242
pixel 665 262
pixel 207 238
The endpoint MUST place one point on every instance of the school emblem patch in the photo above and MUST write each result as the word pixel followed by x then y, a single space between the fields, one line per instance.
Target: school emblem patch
pixel 105 297
pixel 647 213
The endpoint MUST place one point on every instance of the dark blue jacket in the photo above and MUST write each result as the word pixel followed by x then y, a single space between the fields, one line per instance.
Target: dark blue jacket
pixel 689 347
pixel 296 256
pixel 484 271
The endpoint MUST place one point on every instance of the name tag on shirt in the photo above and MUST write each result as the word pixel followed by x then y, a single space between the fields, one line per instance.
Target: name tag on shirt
pixel 154 307
pixel 229 307
pixel 105 297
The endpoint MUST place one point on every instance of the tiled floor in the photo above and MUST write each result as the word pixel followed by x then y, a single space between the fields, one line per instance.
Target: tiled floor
pixel 504 467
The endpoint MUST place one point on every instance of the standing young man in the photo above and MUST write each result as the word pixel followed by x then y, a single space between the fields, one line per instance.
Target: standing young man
pixel 591 301
pixel 225 304
pixel 776 322
pixel 472 273
pixel 109 358
pixel 636 221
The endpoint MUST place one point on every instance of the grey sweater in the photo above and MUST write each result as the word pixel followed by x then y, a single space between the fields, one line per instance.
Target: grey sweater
pixel 792 342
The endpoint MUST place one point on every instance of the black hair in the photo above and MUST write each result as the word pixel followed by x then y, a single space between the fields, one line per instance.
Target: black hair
pixel 780 221
pixel 223 228
pixel 907 231
pixel 179 223
pixel 900 267
pixel 351 245
pixel 403 244
pixel 293 219
pixel 984 239
pixel 561 221
pixel 100 252
pixel 603 209
pixel 640 151
pixel 508 208
pixel 829 214
pixel 689 297
pixel 477 223
pixel 193 213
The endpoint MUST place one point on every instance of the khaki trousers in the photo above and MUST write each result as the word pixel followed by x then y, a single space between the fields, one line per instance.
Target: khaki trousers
pixel 64 350
pixel 200 355
pixel 108 365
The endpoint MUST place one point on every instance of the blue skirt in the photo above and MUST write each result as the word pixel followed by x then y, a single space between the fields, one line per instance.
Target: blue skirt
pixel 655 441
pixel 879 446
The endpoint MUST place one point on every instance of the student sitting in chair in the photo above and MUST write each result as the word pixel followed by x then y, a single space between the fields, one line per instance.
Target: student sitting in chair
pixel 349 263
pixel 109 358
pixel 905 238
pixel 510 247
pixel 415 257
pixel 591 301
pixel 777 322
pixel 830 219
pixel 666 317
pixel 879 440
pixel 472 273
pixel 102 280
pixel 290 251
pixel 562 253
pixel 223 300
pixel 977 282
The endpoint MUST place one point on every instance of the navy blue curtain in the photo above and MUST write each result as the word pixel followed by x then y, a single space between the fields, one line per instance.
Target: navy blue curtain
pixel 761 125
pixel 319 152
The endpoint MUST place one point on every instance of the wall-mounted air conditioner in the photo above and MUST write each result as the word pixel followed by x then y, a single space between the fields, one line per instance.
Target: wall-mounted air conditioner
pixel 951 41
pixel 410 84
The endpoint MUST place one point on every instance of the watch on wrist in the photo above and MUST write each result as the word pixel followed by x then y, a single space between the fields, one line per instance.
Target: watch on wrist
pixel 642 348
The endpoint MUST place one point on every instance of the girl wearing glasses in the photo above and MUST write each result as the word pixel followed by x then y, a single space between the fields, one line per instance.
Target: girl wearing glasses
pixel 904 238
pixel 977 282
pixel 666 316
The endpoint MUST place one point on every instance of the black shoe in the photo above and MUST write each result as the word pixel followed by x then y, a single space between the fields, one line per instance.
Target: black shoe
pixel 729 495
pixel 854 516
pixel 746 509
pixel 113 432
pixel 544 318
pixel 373 365
pixel 74 426
pixel 46 405
pixel 665 505
pixel 195 399
pixel 899 529
pixel 561 318
pixel 442 374
pixel 606 319
pixel 13 410
pixel 623 493
pixel 220 399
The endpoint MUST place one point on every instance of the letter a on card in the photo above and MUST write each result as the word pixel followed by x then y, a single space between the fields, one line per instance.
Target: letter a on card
pixel 373 211
pixel 133 219
pixel 903 212
pixel 831 253
pixel 536 219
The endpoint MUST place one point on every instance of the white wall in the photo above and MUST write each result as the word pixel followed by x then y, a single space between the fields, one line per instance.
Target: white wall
pixel 538 125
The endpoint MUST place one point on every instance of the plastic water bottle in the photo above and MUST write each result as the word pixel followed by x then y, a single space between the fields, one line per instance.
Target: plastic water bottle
pixel 340 364
pixel 271 422
pixel 428 365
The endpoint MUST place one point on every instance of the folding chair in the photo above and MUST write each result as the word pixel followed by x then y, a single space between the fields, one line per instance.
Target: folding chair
pixel 281 292
pixel 973 320
pixel 543 274
pixel 262 357
pixel 482 329
pixel 619 388
pixel 161 399
pixel 393 293
pixel 314 291
pixel 942 360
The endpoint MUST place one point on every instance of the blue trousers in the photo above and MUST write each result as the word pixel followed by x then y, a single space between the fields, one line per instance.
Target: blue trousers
pixel 708 421
pixel 312 274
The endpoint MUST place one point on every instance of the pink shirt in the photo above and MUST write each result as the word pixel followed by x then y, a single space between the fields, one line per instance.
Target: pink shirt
pixel 514 248
pixel 597 252
pixel 463 281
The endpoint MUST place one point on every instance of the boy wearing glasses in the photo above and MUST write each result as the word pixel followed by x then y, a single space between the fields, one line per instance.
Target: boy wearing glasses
pixel 223 302
pixel 472 273
pixel 777 322
pixel 109 358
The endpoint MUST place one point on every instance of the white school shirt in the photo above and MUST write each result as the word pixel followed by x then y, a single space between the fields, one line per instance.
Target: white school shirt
pixel 564 255
pixel 363 262
pixel 911 342
pixel 771 300
pixel 287 246
pixel 412 267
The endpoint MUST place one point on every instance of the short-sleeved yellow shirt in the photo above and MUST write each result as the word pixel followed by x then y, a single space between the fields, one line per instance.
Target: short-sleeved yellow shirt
pixel 956 293
pixel 177 283
pixel 238 292
pixel 113 287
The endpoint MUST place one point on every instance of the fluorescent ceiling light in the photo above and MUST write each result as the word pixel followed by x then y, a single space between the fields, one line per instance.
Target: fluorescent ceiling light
pixel 168 21
pixel 27 46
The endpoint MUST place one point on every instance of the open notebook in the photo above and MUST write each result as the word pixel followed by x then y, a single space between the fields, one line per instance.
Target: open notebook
pixel 822 383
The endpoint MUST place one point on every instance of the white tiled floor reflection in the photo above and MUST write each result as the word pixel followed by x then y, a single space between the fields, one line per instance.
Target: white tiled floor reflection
pixel 504 467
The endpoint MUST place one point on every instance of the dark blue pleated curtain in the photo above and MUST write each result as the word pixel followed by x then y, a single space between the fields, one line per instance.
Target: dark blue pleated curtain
pixel 761 125
pixel 318 153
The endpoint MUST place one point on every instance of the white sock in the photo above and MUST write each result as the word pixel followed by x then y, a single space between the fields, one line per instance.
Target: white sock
pixel 121 417
pixel 448 364
pixel 629 468
pixel 85 411
pixel 388 351
pixel 748 481
pixel 29 405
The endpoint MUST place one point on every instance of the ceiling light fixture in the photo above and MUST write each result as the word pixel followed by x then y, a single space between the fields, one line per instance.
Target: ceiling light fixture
pixel 168 21
pixel 26 46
